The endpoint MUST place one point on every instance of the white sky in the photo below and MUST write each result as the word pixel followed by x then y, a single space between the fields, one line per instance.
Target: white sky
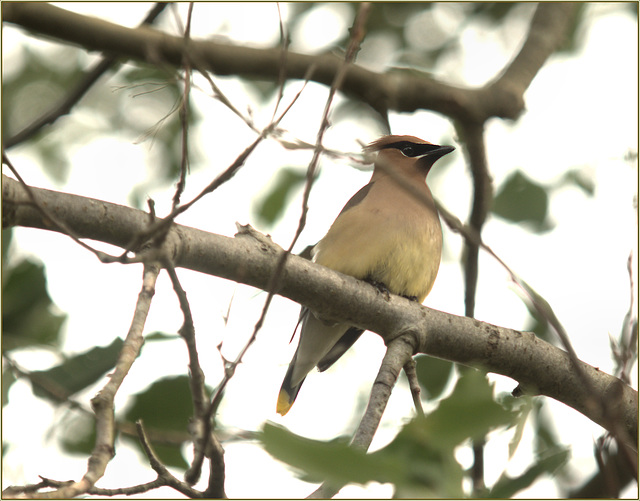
pixel 581 112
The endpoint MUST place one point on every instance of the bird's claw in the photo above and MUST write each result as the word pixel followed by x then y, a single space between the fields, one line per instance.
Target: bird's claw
pixel 382 288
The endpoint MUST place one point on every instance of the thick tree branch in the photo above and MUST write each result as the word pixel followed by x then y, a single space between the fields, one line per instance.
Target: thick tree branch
pixel 395 90
pixel 539 367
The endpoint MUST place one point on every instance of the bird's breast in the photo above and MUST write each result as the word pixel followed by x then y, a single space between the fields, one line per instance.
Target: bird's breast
pixel 400 249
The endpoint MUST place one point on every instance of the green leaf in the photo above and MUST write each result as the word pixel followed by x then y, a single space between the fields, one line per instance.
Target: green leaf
pixel 507 487
pixel 579 178
pixel 333 461
pixel 7 236
pixel 27 315
pixel 273 204
pixel 523 405
pixel 161 336
pixel 429 466
pixel 78 435
pixel 433 374
pixel 75 373
pixel 522 200
pixel 165 406
pixel 8 378
pixel 545 434
pixel 420 461
pixel 469 412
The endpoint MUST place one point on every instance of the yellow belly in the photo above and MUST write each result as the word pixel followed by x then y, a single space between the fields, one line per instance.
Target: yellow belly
pixel 402 254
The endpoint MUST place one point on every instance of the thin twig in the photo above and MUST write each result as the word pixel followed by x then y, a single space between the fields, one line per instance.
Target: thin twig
pixel 357 34
pixel 414 385
pixel 184 116
pixel 204 442
pixel 187 332
pixel 282 74
pixel 164 475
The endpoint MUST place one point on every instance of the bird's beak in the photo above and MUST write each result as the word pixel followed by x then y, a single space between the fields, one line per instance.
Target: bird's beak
pixel 441 151
pixel 428 159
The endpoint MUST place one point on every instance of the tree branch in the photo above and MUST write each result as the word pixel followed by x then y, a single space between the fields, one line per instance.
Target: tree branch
pixel 394 90
pixel 539 367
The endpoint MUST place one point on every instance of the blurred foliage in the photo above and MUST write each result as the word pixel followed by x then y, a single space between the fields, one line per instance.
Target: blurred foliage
pixel 160 336
pixel 140 102
pixel 433 375
pixel 78 432
pixel 33 91
pixel 75 373
pixel 29 317
pixel 522 200
pixel 547 464
pixel 420 461
pixel 166 407
pixel 8 378
pixel 272 205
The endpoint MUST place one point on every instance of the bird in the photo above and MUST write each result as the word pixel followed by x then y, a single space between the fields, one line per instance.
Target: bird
pixel 384 235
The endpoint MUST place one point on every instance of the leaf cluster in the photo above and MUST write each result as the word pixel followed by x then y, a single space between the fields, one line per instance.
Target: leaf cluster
pixel 421 460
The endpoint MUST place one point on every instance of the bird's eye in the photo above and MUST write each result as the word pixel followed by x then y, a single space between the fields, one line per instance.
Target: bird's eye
pixel 407 151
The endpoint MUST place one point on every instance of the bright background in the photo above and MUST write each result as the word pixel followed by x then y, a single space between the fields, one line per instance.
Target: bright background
pixel 581 111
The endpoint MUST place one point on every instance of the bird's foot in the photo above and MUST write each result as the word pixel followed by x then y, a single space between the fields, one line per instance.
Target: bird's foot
pixel 382 288
pixel 411 298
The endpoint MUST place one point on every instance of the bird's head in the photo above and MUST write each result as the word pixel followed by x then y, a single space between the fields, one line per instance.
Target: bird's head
pixel 408 154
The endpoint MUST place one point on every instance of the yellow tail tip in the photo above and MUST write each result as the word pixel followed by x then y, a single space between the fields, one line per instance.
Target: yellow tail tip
pixel 284 403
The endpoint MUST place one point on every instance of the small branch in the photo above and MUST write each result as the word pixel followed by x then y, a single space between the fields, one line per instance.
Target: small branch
pixel 164 476
pixel 205 442
pixel 547 31
pixel 399 352
pixel 184 116
pixel 414 386
pixel 187 331
pixel 472 136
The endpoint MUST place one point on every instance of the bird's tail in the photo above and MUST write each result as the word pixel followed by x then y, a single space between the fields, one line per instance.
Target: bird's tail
pixel 346 341
pixel 288 393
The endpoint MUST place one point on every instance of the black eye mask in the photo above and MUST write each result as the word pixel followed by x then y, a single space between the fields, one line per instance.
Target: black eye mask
pixel 409 149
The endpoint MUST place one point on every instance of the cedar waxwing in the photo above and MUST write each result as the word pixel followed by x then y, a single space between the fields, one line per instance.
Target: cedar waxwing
pixel 383 235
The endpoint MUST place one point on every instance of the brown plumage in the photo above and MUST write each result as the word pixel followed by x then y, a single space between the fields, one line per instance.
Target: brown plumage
pixel 384 235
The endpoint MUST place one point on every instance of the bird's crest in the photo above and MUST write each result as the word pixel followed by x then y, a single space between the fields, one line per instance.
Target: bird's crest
pixel 384 141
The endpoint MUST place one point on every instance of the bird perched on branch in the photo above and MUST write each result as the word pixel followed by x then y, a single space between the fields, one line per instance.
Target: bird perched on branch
pixel 388 234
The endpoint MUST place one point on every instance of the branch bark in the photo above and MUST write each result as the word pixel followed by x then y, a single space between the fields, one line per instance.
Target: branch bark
pixel 539 367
